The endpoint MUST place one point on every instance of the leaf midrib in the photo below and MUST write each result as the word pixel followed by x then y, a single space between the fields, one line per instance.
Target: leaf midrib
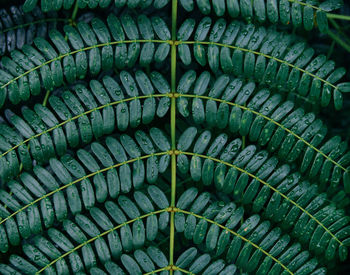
pixel 173 130
pixel 177 152
pixel 170 210
pixel 44 20
pixel 170 42
pixel 170 95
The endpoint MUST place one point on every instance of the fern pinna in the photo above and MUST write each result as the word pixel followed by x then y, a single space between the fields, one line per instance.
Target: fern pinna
pixel 173 137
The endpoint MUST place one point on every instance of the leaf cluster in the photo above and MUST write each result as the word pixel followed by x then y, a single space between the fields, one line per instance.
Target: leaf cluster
pixel 170 137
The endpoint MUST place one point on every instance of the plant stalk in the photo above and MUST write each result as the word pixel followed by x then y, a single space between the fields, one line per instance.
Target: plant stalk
pixel 173 133
pixel 338 16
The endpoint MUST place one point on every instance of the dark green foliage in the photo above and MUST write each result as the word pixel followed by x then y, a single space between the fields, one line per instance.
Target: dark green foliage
pixel 171 137
pixel 114 111
pixel 297 13
pixel 92 48
pixel 265 119
pixel 272 58
pixel 47 5
pixel 18 28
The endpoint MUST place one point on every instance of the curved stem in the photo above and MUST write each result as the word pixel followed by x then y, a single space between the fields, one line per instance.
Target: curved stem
pixel 338 16
pixel 260 54
pixel 44 20
pixel 169 209
pixel 268 119
pixel 82 50
pixel 236 234
pixel 170 42
pixel 79 180
pixel 78 116
pixel 268 185
pixel 99 236
pixel 170 267
pixel 180 95
pixel 75 11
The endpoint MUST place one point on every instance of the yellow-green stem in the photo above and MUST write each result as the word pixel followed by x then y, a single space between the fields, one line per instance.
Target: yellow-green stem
pixel 46 97
pixel 173 133
pixel 338 16
pixel 75 11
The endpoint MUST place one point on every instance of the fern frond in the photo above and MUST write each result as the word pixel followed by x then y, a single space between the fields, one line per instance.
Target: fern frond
pixel 71 178
pixel 56 5
pixel 264 55
pixel 171 139
pixel 294 12
pixel 290 193
pixel 265 119
pixel 90 112
pixel 50 64
pixel 85 233
pixel 18 29
pixel 202 263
